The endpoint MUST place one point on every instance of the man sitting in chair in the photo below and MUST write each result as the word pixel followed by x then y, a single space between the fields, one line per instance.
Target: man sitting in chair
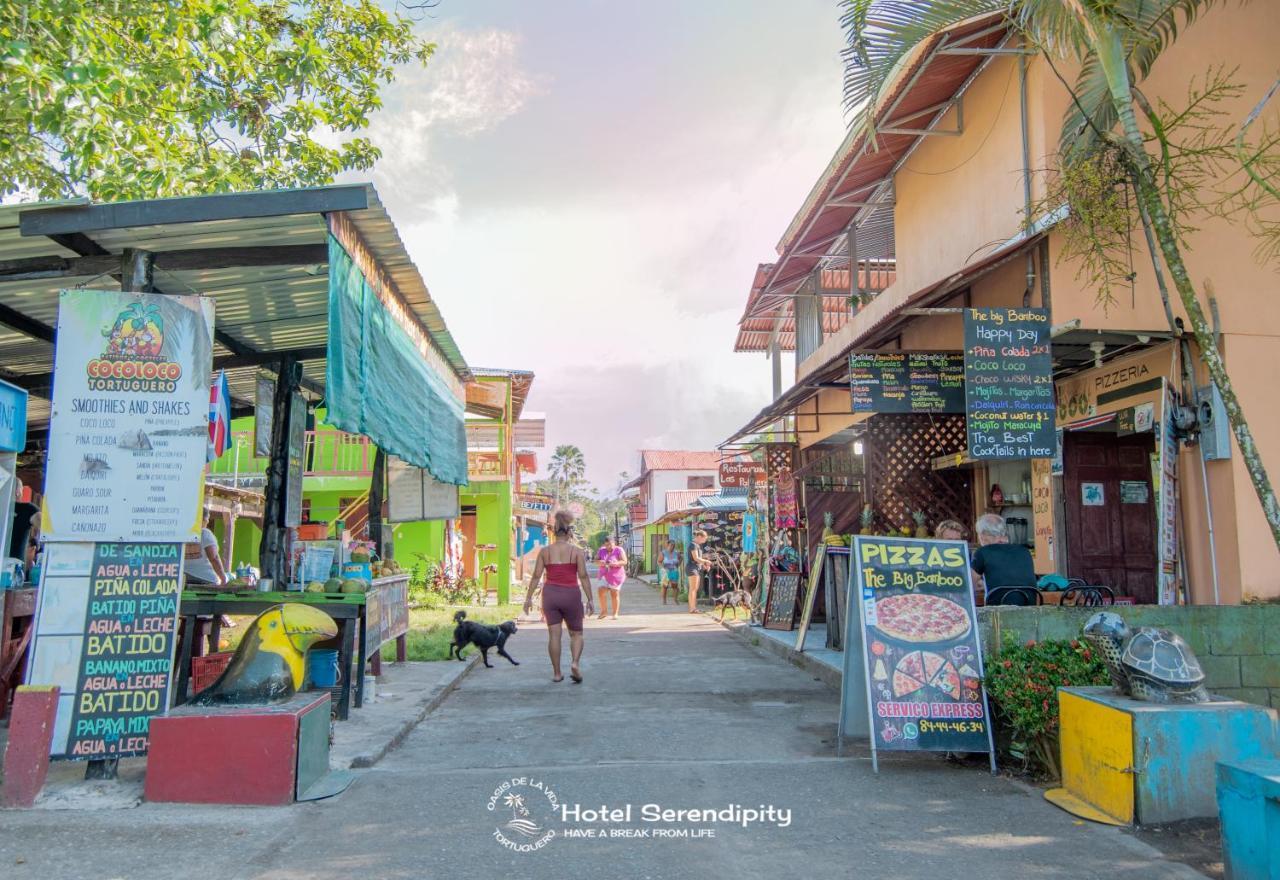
pixel 1001 565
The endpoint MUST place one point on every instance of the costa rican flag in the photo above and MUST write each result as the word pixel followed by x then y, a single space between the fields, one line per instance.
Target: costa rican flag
pixel 219 416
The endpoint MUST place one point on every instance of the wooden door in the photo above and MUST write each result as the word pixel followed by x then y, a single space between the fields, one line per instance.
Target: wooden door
pixel 469 545
pixel 1110 506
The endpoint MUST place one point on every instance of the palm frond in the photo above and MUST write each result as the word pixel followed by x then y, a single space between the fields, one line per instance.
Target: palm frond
pixel 1152 25
pixel 1090 112
pixel 881 33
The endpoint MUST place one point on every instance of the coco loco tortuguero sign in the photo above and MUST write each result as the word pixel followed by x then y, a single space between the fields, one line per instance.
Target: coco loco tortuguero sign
pixel 1008 382
pixel 923 658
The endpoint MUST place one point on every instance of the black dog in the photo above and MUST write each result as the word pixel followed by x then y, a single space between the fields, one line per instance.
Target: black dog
pixel 482 636
pixel 734 599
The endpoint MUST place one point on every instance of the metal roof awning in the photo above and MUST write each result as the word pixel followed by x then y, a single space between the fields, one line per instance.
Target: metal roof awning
pixel 262 255
pixel 770 319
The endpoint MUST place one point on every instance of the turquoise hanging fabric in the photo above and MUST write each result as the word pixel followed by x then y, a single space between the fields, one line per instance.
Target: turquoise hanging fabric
pixel 377 383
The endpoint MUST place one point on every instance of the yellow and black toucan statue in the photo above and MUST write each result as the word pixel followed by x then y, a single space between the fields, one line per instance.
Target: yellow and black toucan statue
pixel 270 663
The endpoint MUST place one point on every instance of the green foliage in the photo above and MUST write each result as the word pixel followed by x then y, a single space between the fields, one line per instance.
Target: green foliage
pixel 431 586
pixel 120 99
pixel 1023 681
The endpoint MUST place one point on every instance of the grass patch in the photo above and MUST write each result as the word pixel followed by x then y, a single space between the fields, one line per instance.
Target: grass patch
pixel 431 630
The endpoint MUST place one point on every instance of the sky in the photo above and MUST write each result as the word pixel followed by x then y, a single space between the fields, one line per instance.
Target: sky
pixel 587 187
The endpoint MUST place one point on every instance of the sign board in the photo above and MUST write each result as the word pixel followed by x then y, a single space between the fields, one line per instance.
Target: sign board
pixel 413 495
pixel 386 612
pixel 534 505
pixel 105 632
pixel 13 418
pixel 907 381
pixel 780 613
pixel 129 430
pixel 741 474
pixel 264 397
pixel 920 651
pixel 1008 382
pixel 297 460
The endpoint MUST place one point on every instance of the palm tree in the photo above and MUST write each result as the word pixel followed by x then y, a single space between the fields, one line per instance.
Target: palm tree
pixel 1116 43
pixel 568 465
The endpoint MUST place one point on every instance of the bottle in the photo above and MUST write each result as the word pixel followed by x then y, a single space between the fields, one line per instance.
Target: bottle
pixel 997 495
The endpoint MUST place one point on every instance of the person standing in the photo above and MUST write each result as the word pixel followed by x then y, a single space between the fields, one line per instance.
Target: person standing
pixel 201 562
pixel 669 576
pixel 699 562
pixel 567 581
pixel 612 560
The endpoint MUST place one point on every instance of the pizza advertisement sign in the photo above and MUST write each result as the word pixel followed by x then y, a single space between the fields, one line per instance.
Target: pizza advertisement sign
pixel 923 660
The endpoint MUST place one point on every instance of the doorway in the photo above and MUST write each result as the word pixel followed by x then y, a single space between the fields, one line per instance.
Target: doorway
pixel 1110 510
pixel 468 526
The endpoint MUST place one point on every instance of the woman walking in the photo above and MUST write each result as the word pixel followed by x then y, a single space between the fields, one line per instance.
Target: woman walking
pixel 698 563
pixel 567 581
pixel 612 560
pixel 670 574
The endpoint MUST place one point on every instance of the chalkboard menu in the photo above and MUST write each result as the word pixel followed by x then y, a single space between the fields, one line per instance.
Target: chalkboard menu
pixel 105 634
pixel 923 660
pixel 780 613
pixel 1008 381
pixel 907 381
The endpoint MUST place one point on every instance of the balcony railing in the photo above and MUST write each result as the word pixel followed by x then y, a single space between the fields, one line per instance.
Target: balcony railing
pixel 325 454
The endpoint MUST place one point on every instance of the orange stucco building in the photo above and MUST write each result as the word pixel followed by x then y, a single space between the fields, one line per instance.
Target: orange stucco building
pixel 935 207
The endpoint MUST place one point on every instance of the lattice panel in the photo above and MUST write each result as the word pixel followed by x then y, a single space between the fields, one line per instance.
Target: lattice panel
pixel 779 457
pixel 900 450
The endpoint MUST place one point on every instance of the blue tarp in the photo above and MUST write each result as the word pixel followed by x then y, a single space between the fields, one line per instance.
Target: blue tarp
pixel 379 385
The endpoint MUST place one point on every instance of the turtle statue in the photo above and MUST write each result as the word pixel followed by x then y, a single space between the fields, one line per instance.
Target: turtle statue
pixel 1147 663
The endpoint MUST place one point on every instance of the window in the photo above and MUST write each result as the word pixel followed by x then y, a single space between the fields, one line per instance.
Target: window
pixel 702 482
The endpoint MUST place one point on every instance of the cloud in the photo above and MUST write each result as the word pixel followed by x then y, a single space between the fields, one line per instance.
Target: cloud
pixel 471 85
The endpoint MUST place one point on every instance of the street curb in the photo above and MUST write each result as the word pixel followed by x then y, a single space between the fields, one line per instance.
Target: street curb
pixel 742 632
pixel 361 762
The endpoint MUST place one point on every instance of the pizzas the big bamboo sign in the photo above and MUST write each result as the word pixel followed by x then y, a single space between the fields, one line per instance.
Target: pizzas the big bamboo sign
pixel 923 658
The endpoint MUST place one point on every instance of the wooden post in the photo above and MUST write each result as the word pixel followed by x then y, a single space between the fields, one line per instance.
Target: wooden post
pixel 377 491
pixel 270 550
pixel 136 274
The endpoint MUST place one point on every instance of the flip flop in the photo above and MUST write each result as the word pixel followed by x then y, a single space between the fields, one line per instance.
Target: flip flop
pixel 557 680
pixel 576 676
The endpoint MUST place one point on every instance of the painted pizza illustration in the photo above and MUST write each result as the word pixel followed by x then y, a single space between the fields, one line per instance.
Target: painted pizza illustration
pixel 917 617
pixel 918 670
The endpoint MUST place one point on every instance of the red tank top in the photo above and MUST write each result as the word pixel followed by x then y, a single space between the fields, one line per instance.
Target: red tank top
pixel 562 574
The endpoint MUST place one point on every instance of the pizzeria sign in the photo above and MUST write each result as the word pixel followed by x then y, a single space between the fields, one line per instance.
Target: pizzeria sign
pixel 922 657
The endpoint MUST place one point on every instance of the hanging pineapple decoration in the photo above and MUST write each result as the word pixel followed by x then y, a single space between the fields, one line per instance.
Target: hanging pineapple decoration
pixel 868 520
pixel 138 333
pixel 829 536
pixel 922 531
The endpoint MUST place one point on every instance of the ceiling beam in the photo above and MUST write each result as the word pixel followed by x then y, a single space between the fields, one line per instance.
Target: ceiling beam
pixel 15 320
pixel 33 268
pixel 64 219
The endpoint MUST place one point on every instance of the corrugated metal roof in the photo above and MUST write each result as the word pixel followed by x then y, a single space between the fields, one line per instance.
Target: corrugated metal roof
pixel 260 308
pixel 685 499
pixel 766 314
pixel 678 460
pixel 723 503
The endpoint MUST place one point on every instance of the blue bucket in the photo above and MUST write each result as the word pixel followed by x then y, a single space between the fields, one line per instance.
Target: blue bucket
pixel 322 667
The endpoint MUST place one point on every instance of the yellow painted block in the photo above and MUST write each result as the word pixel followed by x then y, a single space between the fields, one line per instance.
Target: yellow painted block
pixel 1097 755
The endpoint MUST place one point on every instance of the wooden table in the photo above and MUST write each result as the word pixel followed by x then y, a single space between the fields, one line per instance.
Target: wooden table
pixel 16 619
pixel 346 609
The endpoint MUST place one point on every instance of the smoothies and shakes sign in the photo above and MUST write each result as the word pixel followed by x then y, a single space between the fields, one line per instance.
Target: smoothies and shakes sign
pixel 922 658
pixel 129 431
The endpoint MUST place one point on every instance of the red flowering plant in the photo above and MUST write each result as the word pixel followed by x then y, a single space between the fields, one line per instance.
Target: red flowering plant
pixel 1022 682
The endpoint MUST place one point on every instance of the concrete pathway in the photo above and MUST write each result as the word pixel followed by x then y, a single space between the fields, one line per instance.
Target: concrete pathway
pixel 675 712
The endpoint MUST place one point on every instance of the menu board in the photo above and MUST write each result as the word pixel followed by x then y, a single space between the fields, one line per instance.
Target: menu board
pixel 781 610
pixel 920 642
pixel 129 430
pixel 386 612
pixel 106 630
pixel 1008 381
pixel 413 495
pixel 297 460
pixel 907 381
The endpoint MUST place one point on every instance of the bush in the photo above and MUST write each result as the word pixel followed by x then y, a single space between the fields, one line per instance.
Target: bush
pixel 431 586
pixel 1023 682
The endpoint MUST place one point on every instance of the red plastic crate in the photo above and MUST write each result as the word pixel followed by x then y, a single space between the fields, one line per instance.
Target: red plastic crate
pixel 205 670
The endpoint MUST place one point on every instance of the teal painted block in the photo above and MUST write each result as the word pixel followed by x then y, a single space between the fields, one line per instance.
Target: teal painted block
pixel 1272 628
pixel 1231 637
pixel 1261 671
pixel 1063 623
pixel 1220 672
pixel 1249 806
pixel 1176 749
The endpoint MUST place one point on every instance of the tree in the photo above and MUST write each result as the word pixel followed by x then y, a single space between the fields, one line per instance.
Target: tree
pixel 120 99
pixel 1115 43
pixel 567 468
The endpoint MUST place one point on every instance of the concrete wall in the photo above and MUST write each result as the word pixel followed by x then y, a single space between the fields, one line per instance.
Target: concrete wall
pixel 1239 647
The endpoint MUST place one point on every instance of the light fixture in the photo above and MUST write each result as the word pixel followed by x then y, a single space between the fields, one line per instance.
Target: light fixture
pixel 857 447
